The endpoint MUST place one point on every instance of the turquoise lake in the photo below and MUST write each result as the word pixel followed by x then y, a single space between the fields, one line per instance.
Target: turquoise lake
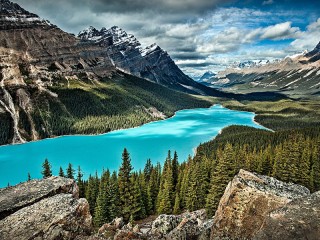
pixel 182 133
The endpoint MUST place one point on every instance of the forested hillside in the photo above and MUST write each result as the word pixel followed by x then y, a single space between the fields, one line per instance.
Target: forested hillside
pixel 92 107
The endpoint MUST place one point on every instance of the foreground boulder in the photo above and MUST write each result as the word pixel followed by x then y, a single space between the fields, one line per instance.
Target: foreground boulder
pixel 44 209
pixel 247 201
pixel 299 219
pixel 28 193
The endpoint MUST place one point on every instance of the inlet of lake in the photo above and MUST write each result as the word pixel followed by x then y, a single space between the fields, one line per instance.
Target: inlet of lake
pixel 182 133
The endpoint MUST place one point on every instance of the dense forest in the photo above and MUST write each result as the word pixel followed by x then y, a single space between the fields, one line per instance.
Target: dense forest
pixel 199 182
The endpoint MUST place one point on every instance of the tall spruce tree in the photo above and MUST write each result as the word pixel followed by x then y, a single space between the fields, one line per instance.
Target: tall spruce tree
pixel 224 172
pixel 80 183
pixel 166 194
pixel 101 211
pixel 46 169
pixel 125 187
pixel 61 172
pixel 70 171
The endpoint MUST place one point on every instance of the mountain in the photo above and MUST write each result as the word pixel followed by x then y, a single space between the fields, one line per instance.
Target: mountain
pixel 207 76
pixel 295 76
pixel 53 83
pixel 151 62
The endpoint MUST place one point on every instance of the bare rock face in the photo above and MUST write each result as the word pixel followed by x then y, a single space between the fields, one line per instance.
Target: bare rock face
pixel 299 219
pixel 44 209
pixel 246 202
pixel 28 193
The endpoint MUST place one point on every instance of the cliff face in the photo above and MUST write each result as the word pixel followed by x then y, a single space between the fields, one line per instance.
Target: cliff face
pixel 44 209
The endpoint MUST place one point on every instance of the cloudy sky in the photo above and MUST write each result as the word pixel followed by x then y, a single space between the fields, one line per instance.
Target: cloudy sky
pixel 199 35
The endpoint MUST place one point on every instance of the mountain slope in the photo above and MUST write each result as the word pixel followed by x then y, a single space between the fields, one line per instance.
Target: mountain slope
pixel 151 63
pixel 52 83
pixel 297 76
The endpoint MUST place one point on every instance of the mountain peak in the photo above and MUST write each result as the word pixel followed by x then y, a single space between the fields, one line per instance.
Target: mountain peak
pixel 13 16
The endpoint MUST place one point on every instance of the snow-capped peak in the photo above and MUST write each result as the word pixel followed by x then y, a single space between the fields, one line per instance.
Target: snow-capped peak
pixel 145 51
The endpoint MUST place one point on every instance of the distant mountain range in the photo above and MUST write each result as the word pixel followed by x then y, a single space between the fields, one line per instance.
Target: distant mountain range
pixel 296 76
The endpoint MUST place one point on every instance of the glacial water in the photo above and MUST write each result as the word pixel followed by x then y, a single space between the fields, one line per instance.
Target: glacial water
pixel 182 133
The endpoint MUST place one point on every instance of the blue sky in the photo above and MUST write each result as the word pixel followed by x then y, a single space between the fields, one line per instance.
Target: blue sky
pixel 200 35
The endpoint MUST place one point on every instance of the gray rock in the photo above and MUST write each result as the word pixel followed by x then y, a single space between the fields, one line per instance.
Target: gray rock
pixel 163 224
pixel 247 201
pixel 58 217
pixel 299 219
pixel 28 193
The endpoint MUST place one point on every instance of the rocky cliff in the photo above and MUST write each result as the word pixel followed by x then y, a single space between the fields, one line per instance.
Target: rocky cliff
pixel 44 209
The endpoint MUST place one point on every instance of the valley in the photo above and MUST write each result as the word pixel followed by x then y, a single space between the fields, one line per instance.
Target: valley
pixel 103 135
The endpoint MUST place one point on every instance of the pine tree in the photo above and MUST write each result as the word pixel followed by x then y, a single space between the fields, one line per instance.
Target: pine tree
pixel 224 172
pixel 113 196
pixel 315 170
pixel 80 183
pixel 147 170
pixel 125 188
pixel 70 171
pixel 166 194
pixel 138 210
pixel 91 193
pixel 101 210
pixel 176 207
pixel 152 191
pixel 175 169
pixel 197 186
pixel 46 169
pixel 61 173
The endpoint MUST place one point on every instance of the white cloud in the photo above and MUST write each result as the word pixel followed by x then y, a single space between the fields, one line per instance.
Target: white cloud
pixel 307 39
pixel 280 31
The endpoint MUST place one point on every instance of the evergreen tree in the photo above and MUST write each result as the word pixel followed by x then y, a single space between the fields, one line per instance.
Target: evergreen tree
pixel 61 173
pixel 152 191
pixel 147 170
pixel 101 210
pixel 80 183
pixel 166 194
pixel 176 207
pixel 91 193
pixel 224 172
pixel 315 170
pixel 175 169
pixel 138 210
pixel 46 169
pixel 70 171
pixel 113 196
pixel 125 188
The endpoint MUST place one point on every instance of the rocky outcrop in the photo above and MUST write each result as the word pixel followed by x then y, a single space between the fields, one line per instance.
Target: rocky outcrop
pixel 28 193
pixel 189 225
pixel 247 201
pixel 299 219
pixel 44 209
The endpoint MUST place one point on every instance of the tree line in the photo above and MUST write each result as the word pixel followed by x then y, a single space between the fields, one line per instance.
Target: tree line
pixel 198 182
